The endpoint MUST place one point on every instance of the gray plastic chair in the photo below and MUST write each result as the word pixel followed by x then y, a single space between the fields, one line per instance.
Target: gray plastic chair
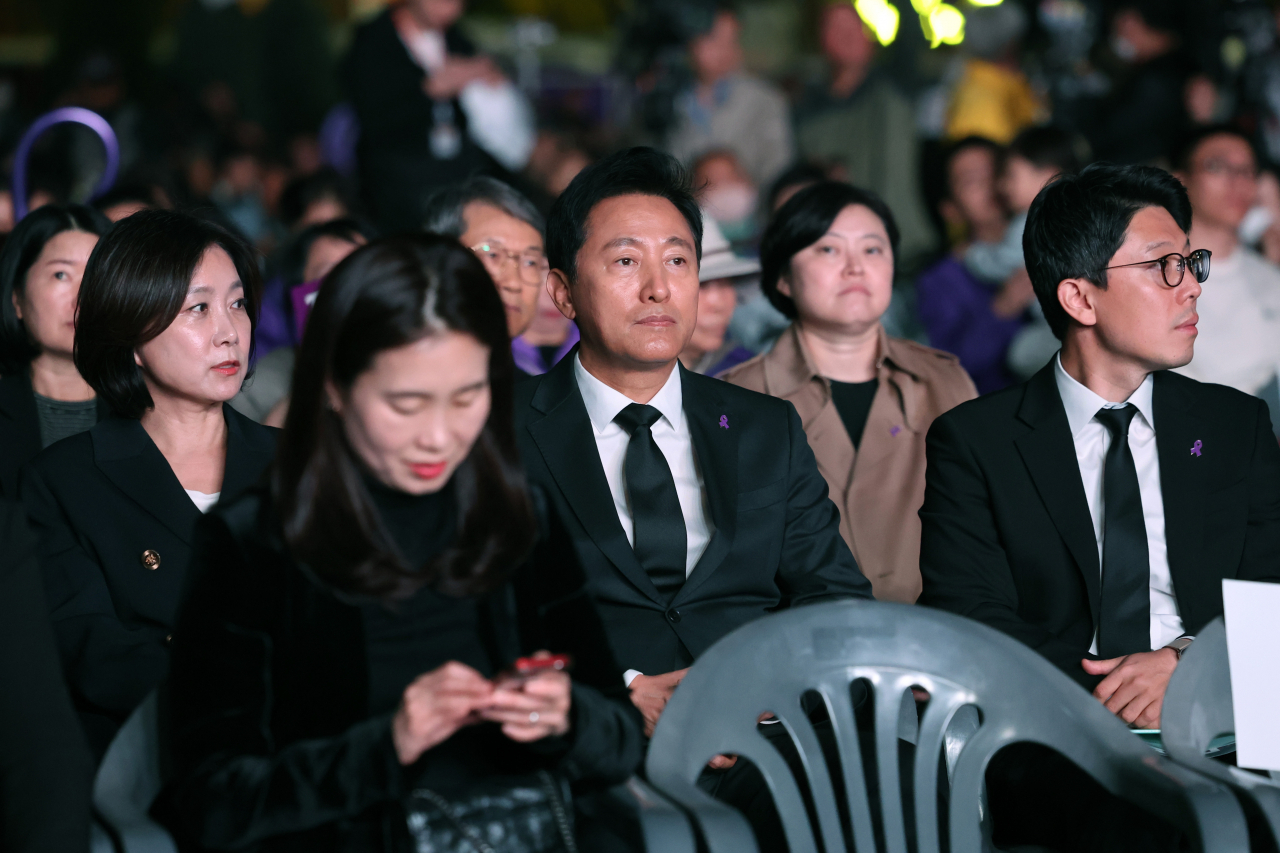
pixel 1198 708
pixel 128 781
pixel 770 664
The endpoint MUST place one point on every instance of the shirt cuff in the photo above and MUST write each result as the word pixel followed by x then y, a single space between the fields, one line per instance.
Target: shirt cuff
pixel 630 676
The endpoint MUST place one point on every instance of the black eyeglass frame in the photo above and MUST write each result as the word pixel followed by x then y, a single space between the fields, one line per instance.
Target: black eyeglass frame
pixel 1197 261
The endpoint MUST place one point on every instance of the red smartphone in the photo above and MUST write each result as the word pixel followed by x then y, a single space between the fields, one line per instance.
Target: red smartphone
pixel 525 668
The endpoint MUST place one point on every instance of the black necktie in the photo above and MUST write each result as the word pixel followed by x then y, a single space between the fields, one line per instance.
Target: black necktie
pixel 1125 624
pixel 660 541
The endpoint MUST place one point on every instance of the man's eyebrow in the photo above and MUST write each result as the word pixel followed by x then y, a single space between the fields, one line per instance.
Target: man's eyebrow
pixel 621 242
pixel 678 241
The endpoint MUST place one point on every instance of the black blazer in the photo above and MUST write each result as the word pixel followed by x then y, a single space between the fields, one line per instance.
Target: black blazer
pixel 99 502
pixel 20 429
pixel 45 768
pixel 1007 537
pixel 776 541
pixel 275 746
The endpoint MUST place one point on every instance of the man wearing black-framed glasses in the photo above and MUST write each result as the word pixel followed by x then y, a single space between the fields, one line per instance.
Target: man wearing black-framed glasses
pixel 1239 330
pixel 1093 511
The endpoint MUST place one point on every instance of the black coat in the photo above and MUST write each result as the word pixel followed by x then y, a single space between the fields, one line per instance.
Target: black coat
pixel 20 430
pixel 45 768
pixel 397 166
pixel 777 534
pixel 1007 536
pixel 99 502
pixel 275 745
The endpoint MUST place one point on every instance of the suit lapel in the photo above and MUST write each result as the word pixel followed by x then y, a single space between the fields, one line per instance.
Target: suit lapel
pixel 567 443
pixel 1182 476
pixel 1050 456
pixel 130 459
pixel 249 452
pixel 715 450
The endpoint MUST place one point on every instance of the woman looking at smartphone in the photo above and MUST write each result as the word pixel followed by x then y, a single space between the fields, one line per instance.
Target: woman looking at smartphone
pixel 337 686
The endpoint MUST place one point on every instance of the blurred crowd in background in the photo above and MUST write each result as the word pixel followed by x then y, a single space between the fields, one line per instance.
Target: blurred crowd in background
pixel 281 115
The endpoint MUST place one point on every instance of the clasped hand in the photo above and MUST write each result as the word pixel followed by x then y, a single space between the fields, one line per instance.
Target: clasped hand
pixel 453 696
pixel 1134 686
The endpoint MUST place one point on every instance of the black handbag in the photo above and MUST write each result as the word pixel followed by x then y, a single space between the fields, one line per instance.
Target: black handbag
pixel 523 814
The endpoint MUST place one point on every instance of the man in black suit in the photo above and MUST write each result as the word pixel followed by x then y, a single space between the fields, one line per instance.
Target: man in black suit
pixel 696 506
pixel 1093 511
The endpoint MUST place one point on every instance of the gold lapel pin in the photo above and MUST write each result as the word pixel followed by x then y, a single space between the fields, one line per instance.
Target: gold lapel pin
pixel 151 559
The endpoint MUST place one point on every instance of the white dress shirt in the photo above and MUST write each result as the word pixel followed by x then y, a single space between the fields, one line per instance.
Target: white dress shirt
pixel 671 434
pixel 1092 440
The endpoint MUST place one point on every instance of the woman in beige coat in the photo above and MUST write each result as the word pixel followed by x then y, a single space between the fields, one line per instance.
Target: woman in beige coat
pixel 866 399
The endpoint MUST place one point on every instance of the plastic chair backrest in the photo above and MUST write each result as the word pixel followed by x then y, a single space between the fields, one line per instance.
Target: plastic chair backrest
pixel 971 672
pixel 1198 708
pixel 129 780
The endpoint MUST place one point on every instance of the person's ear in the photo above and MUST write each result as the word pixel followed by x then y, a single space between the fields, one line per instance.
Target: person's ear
pixel 558 290
pixel 137 359
pixel 17 305
pixel 950 212
pixel 1078 296
pixel 784 285
pixel 332 397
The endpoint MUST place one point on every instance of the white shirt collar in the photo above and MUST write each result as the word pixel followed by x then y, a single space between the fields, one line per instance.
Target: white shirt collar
pixel 603 403
pixel 1082 404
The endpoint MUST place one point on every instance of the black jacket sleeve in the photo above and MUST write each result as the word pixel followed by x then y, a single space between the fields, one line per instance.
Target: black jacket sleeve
pixel 605 743
pixel 964 568
pixel 45 769
pixel 1261 558
pixel 816 564
pixel 234 782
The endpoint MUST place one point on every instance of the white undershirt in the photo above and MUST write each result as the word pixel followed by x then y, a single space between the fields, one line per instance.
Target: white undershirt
pixel 1092 440
pixel 203 501
pixel 671 434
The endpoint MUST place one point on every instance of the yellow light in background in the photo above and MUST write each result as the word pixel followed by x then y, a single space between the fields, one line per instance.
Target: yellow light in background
pixel 943 25
pixel 881 17
pixel 986 2
pixel 924 7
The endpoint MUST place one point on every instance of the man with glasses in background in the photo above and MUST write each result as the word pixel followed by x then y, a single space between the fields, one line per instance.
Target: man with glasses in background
pixel 1239 340
pixel 1093 511
pixel 504 230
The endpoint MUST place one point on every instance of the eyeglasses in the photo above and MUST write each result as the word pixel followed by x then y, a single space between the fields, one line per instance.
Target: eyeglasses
pixel 1218 167
pixel 1174 266
pixel 531 265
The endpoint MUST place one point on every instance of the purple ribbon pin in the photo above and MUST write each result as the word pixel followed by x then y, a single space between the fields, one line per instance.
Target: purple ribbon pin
pixel 724 421
pixel 894 430
pixel 1195 448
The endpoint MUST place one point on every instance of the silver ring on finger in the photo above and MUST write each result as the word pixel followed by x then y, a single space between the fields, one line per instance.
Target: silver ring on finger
pixel 533 716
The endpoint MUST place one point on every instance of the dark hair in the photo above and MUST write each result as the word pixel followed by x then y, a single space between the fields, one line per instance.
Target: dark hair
pixel 445 207
pixel 636 171
pixel 1078 222
pixel 387 294
pixel 797 173
pixel 802 221
pixel 1187 146
pixel 134 286
pixel 23 246
pixel 295 260
pixel 957 148
pixel 1049 148
pixel 301 193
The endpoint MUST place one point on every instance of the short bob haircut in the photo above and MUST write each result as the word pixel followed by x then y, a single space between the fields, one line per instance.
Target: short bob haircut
pixel 802 221
pixel 1078 222
pixel 388 294
pixel 636 171
pixel 25 243
pixel 446 208
pixel 134 286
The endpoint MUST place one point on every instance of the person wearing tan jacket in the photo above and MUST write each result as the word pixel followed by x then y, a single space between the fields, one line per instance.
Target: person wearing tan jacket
pixel 866 400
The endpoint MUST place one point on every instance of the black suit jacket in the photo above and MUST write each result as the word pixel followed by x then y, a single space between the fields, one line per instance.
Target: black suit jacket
pixel 98 501
pixel 20 430
pixel 776 540
pixel 275 745
pixel 1007 538
pixel 45 769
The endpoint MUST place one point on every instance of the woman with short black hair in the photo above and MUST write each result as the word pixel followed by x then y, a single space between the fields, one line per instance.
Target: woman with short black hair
pixel 344 679
pixel 43 398
pixel 164 336
pixel 866 399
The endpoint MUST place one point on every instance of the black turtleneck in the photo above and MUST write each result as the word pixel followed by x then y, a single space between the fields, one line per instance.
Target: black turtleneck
pixel 408 638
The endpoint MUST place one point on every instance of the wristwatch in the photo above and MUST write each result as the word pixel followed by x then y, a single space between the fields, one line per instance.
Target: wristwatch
pixel 1179 645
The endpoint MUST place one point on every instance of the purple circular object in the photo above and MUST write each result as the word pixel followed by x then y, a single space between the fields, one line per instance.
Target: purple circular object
pixel 75 115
